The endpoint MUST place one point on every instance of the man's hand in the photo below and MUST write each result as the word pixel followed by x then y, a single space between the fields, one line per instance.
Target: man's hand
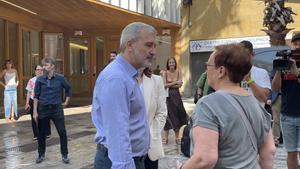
pixel 64 104
pixel 269 102
pixel 294 67
pixel 35 116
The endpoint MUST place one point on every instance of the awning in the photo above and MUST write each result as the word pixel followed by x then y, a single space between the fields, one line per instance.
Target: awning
pixel 87 14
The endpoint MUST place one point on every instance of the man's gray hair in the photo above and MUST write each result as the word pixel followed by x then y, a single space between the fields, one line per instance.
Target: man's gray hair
pixel 48 60
pixel 132 32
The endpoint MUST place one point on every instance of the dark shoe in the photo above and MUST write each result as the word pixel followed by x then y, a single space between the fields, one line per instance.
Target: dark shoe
pixel 40 159
pixel 65 159
pixel 48 137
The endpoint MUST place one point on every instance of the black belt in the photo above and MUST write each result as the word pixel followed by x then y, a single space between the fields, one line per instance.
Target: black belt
pixel 140 158
pixel 49 106
pixel 104 150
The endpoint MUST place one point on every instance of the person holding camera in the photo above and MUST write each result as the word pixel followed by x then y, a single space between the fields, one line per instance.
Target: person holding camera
pixel 287 81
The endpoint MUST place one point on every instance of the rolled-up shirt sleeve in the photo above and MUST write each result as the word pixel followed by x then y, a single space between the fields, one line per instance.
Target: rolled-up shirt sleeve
pixel 37 89
pixel 114 104
pixel 67 88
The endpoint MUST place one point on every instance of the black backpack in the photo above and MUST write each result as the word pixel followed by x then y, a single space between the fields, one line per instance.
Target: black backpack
pixel 185 140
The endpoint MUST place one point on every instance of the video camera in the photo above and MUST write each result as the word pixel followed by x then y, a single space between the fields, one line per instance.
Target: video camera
pixel 285 63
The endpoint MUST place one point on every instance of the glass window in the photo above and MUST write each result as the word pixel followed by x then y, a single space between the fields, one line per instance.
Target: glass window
pixel 26 54
pixel 140 6
pixel 79 58
pixel 35 50
pixel 133 5
pixel 99 54
pixel 124 4
pixel 79 66
pixel 13 43
pixel 115 2
pixel 2 57
pixel 54 47
pixel 2 39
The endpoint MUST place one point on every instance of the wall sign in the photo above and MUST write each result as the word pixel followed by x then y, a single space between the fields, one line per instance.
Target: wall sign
pixel 208 45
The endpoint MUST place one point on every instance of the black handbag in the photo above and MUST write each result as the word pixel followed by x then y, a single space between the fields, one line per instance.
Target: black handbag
pixel 196 96
pixel 186 140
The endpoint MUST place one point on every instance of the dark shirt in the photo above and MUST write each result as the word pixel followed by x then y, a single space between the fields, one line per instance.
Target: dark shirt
pixel 49 91
pixel 290 91
pixel 156 71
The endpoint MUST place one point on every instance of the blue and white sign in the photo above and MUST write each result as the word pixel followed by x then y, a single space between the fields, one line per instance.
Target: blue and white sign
pixel 208 45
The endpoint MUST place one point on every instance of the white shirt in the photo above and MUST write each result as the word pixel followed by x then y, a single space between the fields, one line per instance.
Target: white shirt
pixel 30 86
pixel 261 78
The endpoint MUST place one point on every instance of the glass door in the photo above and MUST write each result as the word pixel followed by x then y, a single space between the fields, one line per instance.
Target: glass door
pixel 30 56
pixel 53 46
pixel 79 67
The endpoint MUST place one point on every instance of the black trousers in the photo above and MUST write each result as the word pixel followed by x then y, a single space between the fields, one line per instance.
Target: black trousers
pixel 33 123
pixel 149 164
pixel 54 113
pixel 102 160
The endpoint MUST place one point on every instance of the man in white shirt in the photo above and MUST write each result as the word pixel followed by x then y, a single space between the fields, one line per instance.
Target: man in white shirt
pixel 257 81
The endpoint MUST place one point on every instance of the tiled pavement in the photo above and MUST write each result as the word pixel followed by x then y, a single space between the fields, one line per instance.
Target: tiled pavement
pixel 18 151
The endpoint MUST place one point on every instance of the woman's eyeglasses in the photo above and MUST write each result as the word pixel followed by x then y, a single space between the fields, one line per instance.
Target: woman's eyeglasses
pixel 207 64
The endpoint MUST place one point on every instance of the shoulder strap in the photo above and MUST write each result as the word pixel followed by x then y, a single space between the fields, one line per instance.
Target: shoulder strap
pixel 246 121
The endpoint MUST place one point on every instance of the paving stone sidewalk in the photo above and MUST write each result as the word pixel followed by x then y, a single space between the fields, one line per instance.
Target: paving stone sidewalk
pixel 18 150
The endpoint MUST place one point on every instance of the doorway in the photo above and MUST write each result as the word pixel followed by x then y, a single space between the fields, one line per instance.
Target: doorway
pixel 80 67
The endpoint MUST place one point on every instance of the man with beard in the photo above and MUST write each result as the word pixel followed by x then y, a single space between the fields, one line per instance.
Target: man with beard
pixel 118 110
pixel 48 106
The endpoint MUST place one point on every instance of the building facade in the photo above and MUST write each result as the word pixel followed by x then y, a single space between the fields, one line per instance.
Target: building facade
pixel 79 34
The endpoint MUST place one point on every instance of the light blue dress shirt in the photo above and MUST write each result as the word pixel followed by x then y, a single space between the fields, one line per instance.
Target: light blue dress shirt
pixel 119 114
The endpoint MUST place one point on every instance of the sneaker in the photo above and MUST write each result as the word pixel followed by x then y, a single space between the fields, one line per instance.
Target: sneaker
pixel 40 159
pixel 48 137
pixel 34 139
pixel 65 159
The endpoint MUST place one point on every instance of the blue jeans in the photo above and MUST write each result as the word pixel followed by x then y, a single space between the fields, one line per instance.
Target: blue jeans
pixel 10 99
pixel 102 160
pixel 291 133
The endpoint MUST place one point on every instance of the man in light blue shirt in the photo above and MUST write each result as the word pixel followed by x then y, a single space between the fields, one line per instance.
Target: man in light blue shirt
pixel 118 110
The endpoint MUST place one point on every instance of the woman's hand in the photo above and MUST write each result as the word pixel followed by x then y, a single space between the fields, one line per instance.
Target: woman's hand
pixel 35 116
pixel 27 106
pixel 179 83
pixel 178 165
pixel 2 84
